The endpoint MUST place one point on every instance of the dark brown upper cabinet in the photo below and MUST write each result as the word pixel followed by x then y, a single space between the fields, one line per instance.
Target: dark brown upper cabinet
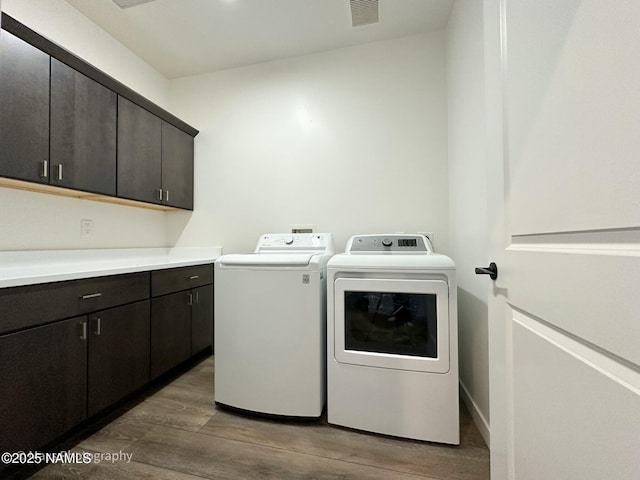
pixel 83 132
pixel 64 123
pixel 24 110
pixel 177 167
pixel 155 159
pixel 139 153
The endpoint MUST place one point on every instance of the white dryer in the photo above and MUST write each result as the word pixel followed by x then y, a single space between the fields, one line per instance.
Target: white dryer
pixel 392 342
pixel 270 326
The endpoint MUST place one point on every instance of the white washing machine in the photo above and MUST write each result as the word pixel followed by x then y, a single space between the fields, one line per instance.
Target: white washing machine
pixel 392 339
pixel 270 326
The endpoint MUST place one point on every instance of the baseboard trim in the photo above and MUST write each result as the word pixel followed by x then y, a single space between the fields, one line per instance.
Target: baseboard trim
pixel 478 418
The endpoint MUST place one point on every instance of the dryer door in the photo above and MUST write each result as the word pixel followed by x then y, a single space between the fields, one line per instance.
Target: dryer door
pixel 392 323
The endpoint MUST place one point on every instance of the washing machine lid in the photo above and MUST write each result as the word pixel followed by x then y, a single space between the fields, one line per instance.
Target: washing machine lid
pixel 266 259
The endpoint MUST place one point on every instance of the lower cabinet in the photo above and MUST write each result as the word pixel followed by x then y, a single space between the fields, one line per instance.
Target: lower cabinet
pixel 170 332
pixel 43 372
pixel 119 357
pixel 181 315
pixel 56 372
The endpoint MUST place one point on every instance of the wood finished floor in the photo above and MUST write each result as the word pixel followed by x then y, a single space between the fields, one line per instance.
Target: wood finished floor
pixel 178 433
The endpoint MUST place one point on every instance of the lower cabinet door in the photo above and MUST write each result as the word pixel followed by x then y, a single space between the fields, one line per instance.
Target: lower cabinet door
pixel 170 331
pixel 43 373
pixel 119 355
pixel 202 319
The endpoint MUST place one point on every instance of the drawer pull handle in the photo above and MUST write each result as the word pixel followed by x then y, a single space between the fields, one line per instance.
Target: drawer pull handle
pixel 45 169
pixel 91 295
pixel 83 335
pixel 194 277
pixel 60 171
pixel 97 330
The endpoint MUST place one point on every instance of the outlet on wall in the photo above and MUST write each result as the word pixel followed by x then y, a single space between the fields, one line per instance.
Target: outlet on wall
pixel 86 228
pixel 303 228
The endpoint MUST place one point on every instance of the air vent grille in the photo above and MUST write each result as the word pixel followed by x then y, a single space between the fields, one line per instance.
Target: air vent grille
pixel 364 12
pixel 130 3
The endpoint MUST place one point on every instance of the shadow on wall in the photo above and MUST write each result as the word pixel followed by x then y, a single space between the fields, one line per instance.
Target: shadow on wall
pixel 473 329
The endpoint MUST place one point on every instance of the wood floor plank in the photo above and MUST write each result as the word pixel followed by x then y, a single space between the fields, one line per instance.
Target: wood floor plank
pixel 222 458
pixel 109 471
pixel 117 436
pixel 170 412
pixel 466 462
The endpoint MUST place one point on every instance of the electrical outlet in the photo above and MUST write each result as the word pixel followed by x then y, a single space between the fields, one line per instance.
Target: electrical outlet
pixel 303 228
pixel 86 228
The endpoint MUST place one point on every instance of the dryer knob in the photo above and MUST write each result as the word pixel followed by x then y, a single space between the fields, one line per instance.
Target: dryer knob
pixel 288 240
pixel 387 242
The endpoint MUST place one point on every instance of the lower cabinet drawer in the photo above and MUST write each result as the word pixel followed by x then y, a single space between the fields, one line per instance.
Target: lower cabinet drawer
pixel 181 278
pixel 22 307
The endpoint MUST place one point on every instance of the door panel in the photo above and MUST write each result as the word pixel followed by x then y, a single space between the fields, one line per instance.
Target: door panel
pixel 582 403
pixel 24 115
pixel 125 330
pixel 170 332
pixel 83 131
pixel 177 166
pixel 139 153
pixel 573 115
pixel 202 319
pixel 44 371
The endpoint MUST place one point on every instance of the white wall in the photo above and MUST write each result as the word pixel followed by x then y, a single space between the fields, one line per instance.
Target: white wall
pixel 352 140
pixel 467 199
pixel 36 221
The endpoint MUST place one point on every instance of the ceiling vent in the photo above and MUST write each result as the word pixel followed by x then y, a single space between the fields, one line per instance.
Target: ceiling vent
pixel 364 12
pixel 130 3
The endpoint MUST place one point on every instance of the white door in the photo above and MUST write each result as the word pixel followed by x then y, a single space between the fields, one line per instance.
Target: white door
pixel 563 125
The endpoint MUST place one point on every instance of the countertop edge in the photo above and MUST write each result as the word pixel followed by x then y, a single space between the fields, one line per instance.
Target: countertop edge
pixel 81 264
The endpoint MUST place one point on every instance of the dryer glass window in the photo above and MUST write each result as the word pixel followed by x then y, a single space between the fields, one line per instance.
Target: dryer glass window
pixel 395 323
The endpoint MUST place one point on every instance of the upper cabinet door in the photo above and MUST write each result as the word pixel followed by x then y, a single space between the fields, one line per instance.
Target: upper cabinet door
pixel 139 153
pixel 177 167
pixel 24 110
pixel 83 132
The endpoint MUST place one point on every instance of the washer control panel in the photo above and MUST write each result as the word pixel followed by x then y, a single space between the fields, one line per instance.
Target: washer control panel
pixel 393 243
pixel 290 242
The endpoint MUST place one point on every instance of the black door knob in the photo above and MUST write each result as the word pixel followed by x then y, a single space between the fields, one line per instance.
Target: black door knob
pixel 491 270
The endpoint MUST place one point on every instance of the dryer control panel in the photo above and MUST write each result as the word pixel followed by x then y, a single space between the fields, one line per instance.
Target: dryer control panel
pixel 392 243
pixel 295 242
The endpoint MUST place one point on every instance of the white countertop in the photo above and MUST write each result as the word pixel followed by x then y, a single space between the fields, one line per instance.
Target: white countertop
pixel 43 266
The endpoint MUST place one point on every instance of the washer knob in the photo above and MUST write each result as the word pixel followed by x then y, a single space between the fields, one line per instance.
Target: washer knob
pixel 288 239
pixel 386 242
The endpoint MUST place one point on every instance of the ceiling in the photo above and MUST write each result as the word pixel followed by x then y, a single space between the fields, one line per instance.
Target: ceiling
pixel 189 37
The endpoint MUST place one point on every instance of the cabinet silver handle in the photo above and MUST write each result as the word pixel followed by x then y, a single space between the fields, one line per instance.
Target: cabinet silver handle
pixel 194 277
pixel 160 194
pixel 83 335
pixel 166 195
pixel 197 298
pixel 97 330
pixel 45 169
pixel 91 295
pixel 190 301
pixel 60 171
